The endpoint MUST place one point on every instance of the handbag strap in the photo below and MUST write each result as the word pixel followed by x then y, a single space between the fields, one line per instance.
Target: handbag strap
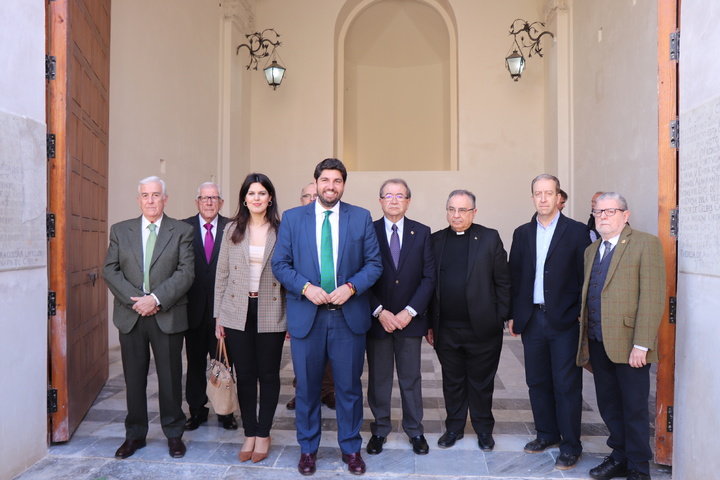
pixel 221 354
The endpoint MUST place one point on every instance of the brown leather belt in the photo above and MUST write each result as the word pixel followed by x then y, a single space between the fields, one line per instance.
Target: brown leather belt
pixel 252 294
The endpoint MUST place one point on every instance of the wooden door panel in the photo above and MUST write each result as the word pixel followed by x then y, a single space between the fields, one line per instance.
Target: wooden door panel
pixel 79 36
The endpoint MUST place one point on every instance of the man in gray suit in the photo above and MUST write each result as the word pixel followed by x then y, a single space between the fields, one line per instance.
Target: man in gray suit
pixel 149 268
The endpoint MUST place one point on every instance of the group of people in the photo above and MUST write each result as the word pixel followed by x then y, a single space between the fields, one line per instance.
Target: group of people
pixel 345 288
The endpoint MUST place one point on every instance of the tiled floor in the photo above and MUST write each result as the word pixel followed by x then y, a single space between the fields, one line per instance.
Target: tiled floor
pixel 212 451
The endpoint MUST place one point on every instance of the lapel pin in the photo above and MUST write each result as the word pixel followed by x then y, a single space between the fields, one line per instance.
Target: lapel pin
pixel 412 232
pixel 475 238
pixel 623 241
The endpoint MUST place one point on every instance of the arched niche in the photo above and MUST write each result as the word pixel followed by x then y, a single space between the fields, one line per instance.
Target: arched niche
pixel 396 85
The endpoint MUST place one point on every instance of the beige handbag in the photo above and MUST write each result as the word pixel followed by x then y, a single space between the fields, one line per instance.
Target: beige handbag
pixel 221 388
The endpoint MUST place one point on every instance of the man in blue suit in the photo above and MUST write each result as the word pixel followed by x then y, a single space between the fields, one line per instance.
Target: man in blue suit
pixel 327 257
pixel 399 301
pixel 546 267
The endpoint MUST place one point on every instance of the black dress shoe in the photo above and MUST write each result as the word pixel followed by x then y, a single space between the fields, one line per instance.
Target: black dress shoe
pixel 228 422
pixel 375 444
pixel 609 468
pixel 449 438
pixel 195 421
pixel 176 447
pixel 306 465
pixel 566 461
pixel 291 404
pixel 355 463
pixel 540 445
pixel 635 475
pixel 128 448
pixel 420 445
pixel 486 442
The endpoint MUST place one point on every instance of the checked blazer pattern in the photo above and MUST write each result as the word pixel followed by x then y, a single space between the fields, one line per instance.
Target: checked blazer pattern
pixel 633 298
pixel 232 284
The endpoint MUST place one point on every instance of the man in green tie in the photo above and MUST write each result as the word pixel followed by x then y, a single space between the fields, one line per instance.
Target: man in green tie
pixel 327 257
pixel 149 268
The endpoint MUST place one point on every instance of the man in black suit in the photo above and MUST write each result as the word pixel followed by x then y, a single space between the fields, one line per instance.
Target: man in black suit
pixel 200 341
pixel 546 264
pixel 399 301
pixel 470 306
pixel 148 269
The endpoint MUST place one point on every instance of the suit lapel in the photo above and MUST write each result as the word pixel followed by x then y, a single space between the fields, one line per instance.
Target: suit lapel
pixel 136 244
pixel 618 252
pixel 343 225
pixel 382 241
pixel 473 247
pixel 163 238
pixel 310 235
pixel 560 228
pixel 407 242
pixel 222 221
pixel 532 242
pixel 198 240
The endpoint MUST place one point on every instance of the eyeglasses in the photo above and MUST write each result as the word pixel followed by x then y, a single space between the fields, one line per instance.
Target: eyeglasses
pixel 310 195
pixel 399 197
pixel 461 211
pixel 608 212
pixel 213 199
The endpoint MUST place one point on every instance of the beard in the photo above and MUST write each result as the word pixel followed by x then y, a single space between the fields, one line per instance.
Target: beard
pixel 328 203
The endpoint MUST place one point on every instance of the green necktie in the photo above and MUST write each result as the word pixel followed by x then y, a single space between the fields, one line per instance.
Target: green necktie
pixel 149 247
pixel 327 269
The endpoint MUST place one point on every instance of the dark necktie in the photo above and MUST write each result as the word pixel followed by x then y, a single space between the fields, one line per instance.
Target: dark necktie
pixel 327 269
pixel 209 241
pixel 395 245
pixel 608 249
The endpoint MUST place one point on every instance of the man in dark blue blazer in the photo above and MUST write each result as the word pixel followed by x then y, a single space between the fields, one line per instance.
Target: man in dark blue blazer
pixel 399 301
pixel 327 257
pixel 546 264
pixel 200 338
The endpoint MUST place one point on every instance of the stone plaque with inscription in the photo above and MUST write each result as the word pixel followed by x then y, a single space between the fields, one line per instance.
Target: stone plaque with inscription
pixel 699 229
pixel 23 242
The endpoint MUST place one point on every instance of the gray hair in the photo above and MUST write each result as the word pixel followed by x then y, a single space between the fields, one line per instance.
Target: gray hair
pixel 399 181
pixel 614 196
pixel 210 185
pixel 545 176
pixel 153 179
pixel 461 192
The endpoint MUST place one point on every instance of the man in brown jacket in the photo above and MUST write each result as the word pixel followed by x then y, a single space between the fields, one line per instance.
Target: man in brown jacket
pixel 623 302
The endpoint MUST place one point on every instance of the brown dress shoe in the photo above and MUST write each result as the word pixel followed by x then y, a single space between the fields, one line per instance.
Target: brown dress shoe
pixel 306 465
pixel 355 463
pixel 128 448
pixel 176 447
pixel 329 400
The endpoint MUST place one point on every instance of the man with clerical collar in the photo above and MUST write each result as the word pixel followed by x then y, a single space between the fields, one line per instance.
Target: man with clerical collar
pixel 469 308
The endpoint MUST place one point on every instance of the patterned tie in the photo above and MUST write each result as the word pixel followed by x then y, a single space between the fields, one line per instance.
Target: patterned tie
pixel 149 247
pixel 608 249
pixel 395 245
pixel 209 242
pixel 327 269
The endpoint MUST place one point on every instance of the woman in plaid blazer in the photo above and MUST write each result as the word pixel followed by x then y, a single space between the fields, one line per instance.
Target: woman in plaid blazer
pixel 249 310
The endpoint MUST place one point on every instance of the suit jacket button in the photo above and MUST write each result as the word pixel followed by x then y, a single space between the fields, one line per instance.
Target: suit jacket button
pixel 235 267
pixel 274 284
pixel 233 282
pixel 232 295
pixel 274 299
